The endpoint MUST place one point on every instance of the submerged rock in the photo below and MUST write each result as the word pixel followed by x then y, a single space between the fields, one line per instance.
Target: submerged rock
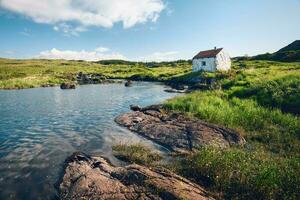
pixel 88 177
pixel 176 131
pixel 67 86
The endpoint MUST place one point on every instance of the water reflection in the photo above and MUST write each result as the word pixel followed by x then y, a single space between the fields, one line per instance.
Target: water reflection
pixel 40 127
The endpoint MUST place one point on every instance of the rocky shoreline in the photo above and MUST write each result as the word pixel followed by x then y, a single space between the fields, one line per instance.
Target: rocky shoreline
pixel 176 131
pixel 88 177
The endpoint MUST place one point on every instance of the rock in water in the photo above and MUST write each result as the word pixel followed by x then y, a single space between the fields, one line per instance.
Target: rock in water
pixel 128 83
pixel 88 177
pixel 178 132
pixel 67 86
pixel 135 108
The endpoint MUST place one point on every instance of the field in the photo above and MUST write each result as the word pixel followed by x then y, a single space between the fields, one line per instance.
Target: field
pixel 260 99
pixel 19 74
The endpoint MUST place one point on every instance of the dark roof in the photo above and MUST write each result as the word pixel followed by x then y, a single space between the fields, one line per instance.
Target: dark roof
pixel 208 54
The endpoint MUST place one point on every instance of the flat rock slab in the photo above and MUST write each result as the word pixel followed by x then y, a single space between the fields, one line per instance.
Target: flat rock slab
pixel 88 177
pixel 176 131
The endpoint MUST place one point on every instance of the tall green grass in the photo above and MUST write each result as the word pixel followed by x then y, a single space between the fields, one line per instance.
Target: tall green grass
pixel 238 174
pixel 283 93
pixel 270 129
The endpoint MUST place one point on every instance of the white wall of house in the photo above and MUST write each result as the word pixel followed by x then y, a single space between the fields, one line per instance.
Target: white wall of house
pixel 221 62
pixel 205 64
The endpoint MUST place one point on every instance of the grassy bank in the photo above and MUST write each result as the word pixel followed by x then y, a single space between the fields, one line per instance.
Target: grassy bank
pixel 262 127
pixel 35 73
pixel 261 100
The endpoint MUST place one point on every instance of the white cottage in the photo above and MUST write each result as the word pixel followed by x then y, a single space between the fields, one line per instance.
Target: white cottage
pixel 212 60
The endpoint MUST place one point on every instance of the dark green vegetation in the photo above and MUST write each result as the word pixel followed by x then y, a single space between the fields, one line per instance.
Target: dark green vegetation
pixel 18 74
pixel 290 53
pixel 241 174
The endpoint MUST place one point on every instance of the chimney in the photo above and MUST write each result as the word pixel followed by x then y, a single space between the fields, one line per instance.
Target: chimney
pixel 215 48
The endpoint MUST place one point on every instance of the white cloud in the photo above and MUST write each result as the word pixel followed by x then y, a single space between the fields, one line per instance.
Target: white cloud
pixel 160 56
pixel 68 29
pixel 102 49
pixel 103 53
pixel 99 13
pixel 79 55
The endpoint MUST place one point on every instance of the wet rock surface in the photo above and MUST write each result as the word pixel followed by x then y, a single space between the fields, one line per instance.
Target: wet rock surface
pixel 88 177
pixel 178 132
pixel 65 86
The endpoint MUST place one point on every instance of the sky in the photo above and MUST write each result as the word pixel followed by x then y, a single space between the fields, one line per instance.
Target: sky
pixel 144 30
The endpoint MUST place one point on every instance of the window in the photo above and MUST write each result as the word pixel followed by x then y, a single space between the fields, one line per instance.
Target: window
pixel 203 63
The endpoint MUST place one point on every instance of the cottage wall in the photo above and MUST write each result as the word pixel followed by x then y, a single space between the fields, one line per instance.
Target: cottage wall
pixel 223 62
pixel 210 64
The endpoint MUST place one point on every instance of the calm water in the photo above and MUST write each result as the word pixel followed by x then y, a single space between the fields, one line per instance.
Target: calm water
pixel 40 127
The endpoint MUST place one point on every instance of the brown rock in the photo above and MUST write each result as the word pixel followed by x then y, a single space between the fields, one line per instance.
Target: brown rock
pixel 176 131
pixel 94 178
pixel 67 86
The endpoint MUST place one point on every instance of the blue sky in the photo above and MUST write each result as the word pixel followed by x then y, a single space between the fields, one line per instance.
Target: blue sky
pixel 144 29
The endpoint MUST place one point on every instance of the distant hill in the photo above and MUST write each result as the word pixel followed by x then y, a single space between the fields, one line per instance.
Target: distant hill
pixel 295 46
pixel 290 53
pixel 148 64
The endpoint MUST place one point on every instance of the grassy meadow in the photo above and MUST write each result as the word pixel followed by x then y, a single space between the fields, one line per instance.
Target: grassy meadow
pixel 260 99
pixel 19 74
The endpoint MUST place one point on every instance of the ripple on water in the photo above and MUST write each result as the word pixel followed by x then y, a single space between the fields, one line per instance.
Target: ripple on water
pixel 40 127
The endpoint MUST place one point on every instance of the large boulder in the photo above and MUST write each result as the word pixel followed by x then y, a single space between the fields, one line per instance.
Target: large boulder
pixel 88 177
pixel 178 132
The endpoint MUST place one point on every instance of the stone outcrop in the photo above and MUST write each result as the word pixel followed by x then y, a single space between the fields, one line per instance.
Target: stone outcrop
pixel 93 78
pixel 88 177
pixel 178 132
pixel 65 86
pixel 90 78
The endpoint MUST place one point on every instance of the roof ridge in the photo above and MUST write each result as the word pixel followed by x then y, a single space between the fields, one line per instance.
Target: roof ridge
pixel 208 53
